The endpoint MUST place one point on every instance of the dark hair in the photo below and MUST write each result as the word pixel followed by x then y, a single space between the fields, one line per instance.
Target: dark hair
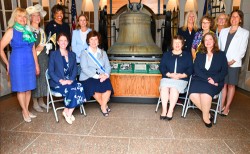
pixel 94 34
pixel 62 34
pixel 203 48
pixel 87 20
pixel 178 37
pixel 56 8
pixel 210 19
pixel 241 14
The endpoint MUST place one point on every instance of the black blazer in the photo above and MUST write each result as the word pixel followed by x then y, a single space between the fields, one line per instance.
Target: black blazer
pixel 217 70
pixel 56 68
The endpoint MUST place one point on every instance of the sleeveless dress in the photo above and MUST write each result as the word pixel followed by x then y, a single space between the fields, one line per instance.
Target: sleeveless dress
pixel 73 94
pixel 43 59
pixel 21 64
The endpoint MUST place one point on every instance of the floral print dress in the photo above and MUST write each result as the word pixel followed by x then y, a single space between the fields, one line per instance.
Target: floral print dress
pixel 73 94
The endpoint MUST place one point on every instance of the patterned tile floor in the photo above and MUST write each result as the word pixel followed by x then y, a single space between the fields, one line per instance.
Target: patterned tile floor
pixel 130 128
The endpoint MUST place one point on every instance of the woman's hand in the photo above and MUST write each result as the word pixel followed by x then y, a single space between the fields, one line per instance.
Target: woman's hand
pixel 103 77
pixel 39 48
pixel 65 82
pixel 37 69
pixel 231 62
pixel 211 81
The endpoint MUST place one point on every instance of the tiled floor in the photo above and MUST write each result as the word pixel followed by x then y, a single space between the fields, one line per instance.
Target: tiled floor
pixel 130 128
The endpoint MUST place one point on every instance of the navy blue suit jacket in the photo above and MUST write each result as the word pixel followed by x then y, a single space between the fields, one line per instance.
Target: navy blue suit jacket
pixel 184 63
pixel 217 70
pixel 56 68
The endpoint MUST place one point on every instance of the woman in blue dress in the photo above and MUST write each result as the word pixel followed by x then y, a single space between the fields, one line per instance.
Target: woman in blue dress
pixel 22 64
pixel 63 71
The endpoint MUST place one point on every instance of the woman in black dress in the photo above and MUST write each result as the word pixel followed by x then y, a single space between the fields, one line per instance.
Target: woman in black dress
pixel 210 69
pixel 57 25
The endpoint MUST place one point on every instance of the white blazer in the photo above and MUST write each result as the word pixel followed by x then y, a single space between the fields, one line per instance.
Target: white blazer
pixel 237 48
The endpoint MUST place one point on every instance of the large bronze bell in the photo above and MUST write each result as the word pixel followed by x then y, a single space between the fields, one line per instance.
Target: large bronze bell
pixel 134 37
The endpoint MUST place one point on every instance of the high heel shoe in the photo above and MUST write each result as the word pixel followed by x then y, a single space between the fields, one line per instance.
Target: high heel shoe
pixel 108 109
pixel 208 125
pixel 28 119
pixel 169 118
pixel 225 114
pixel 105 114
pixel 163 117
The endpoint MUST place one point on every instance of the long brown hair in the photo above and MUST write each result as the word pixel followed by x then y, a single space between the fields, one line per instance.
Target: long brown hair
pixel 203 48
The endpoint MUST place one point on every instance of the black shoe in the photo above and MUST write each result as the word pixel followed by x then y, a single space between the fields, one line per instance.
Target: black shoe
pixel 208 125
pixel 169 118
pixel 211 118
pixel 163 117
pixel 105 114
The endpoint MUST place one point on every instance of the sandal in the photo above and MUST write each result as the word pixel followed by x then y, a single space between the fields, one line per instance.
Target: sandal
pixel 105 114
pixel 108 109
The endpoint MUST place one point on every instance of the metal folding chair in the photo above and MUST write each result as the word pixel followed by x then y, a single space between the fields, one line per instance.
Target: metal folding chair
pixel 50 99
pixel 215 101
pixel 183 96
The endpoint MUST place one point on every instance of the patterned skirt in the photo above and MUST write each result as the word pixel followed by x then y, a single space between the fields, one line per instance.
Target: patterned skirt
pixel 73 94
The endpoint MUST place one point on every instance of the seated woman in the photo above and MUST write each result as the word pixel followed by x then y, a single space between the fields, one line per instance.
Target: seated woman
pixel 95 72
pixel 210 69
pixel 176 66
pixel 63 71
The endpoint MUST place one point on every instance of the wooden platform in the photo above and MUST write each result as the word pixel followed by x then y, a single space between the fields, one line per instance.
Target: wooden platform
pixel 135 85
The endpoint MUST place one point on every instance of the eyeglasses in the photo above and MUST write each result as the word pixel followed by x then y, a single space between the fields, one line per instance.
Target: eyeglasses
pixel 205 23
pixel 221 18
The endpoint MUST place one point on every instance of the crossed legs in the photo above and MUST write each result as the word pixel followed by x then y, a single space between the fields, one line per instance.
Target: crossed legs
pixel 102 99
pixel 203 102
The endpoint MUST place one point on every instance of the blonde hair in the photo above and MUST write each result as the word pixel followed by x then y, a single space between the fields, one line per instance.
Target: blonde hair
pixel 216 21
pixel 87 20
pixel 184 28
pixel 14 14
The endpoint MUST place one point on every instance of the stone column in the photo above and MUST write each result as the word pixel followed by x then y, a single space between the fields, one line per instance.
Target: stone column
pixel 182 11
pixel 229 5
pixel 244 80
pixel 96 13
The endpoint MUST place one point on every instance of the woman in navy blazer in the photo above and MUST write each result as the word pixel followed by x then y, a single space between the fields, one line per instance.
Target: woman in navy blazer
pixel 188 30
pixel 79 36
pixel 210 69
pixel 63 71
pixel 176 66
pixel 233 41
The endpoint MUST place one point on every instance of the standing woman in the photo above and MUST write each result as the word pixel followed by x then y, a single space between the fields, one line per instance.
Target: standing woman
pixel 176 66
pixel 79 37
pixel 36 13
pixel 221 22
pixel 63 71
pixel 188 30
pixel 210 69
pixel 22 65
pixel 57 25
pixel 233 41
pixel 206 23
pixel 95 72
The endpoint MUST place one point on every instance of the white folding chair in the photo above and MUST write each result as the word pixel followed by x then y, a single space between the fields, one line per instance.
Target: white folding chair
pixel 183 96
pixel 215 102
pixel 50 99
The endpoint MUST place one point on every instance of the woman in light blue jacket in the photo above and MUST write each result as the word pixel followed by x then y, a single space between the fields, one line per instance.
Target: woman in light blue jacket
pixel 79 36
pixel 95 72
